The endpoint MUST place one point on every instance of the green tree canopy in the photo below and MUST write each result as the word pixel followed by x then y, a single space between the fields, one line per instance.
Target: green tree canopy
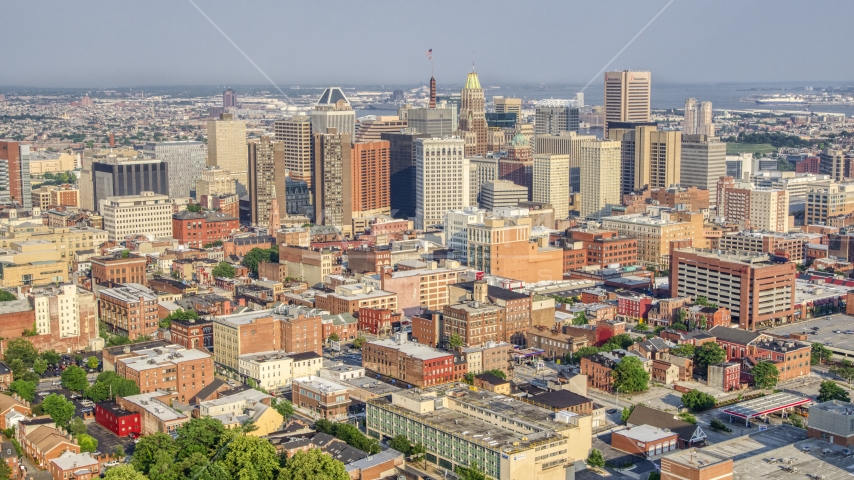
pixel 579 319
pixel 51 357
pixel 224 270
pixel 595 459
pixel 472 472
pixel 74 378
pixel 40 366
pixel 59 408
pixel 820 354
pixel 683 350
pixel 830 390
pixel 629 375
pixel 313 465
pixel 151 450
pixel 194 208
pixel 284 407
pixel 27 390
pixel 199 435
pixel 626 413
pixel 765 375
pixel 697 400
pixel 455 341
pixel 180 314
pixel 92 362
pixel 87 443
pixel 258 255
pixel 358 342
pixel 498 373
pixel 709 353
pixel 249 458
pixel 22 349
pixel 108 385
pixel 6 296
pixel 77 426
pixel 124 472
pixel 401 444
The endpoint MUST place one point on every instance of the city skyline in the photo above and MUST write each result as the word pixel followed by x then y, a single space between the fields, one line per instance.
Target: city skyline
pixel 138 58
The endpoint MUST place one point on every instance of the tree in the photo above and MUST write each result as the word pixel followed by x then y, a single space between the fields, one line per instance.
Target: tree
pixel 224 270
pixel 182 315
pixel 595 459
pixel 627 412
pixel 472 472
pixel 74 379
pixel 51 357
pixel 23 349
pixel 313 465
pixel 77 427
pixel 249 458
pixel 401 444
pixel 108 385
pixel 679 326
pixel 258 255
pixel 468 378
pixel 6 296
pixel 765 375
pixel 709 353
pixel 119 452
pixel 92 362
pixel 199 435
pixel 579 319
pixel 623 340
pixel 59 408
pixel 27 390
pixel 194 208
pixel 87 443
pixel 687 417
pixel 629 375
pixel 124 472
pixel 719 425
pixel 455 341
pixel 325 426
pixel 684 350
pixel 830 390
pixel 333 337
pixel 642 327
pixel 284 407
pixel 498 373
pixel 358 342
pixel 18 368
pixel 40 366
pixel 697 400
pixel 153 448
pixel 820 354
pixel 585 352
pixel 5 471
pixel 653 476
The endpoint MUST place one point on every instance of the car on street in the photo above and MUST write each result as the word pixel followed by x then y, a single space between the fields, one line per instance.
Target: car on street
pixel 112 463
pixel 133 435
pixel 611 411
pixel 56 383
pixel 87 403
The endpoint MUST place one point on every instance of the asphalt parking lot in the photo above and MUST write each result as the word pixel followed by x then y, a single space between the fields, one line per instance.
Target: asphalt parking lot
pixel 107 440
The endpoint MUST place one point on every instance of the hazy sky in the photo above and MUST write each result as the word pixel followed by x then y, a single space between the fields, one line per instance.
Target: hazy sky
pixel 85 43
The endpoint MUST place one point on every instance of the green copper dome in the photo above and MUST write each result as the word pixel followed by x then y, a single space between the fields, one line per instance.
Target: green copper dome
pixel 519 140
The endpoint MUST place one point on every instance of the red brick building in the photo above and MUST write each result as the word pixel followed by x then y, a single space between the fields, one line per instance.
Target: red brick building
pixel 371 170
pixel 634 307
pixel 192 333
pixel 344 326
pixel 411 363
pixel 241 246
pixel 183 372
pixel 116 419
pixel 645 440
pixel 326 398
pixel 791 358
pixel 725 376
pixel 119 269
pixel 130 310
pixel 426 328
pixel 736 342
pixel 368 259
pixel 808 165
pixel 605 247
pixel 376 321
pixel 76 466
pixel 199 229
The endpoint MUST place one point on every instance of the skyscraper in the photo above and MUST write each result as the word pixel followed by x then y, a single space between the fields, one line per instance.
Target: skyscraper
pixel 370 129
pixel 186 160
pixel 227 148
pixel 600 177
pixel 436 122
pixel 507 105
pixel 698 118
pixel 402 171
pixel 15 172
pixel 649 157
pixel 121 177
pixel 333 179
pixel 566 143
pixel 266 180
pixel 554 116
pixel 371 196
pixel 473 114
pixel 229 99
pixel 295 135
pixel 441 179
pixel 627 97
pixel 518 166
pixel 333 110
pixel 703 163
pixel 551 183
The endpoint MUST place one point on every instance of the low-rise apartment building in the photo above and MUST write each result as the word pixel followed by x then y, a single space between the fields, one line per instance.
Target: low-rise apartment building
pixel 119 268
pixel 175 369
pixel 654 233
pixel 408 362
pixel 199 229
pixel 129 310
pixel 156 416
pixel 351 297
pixel 323 397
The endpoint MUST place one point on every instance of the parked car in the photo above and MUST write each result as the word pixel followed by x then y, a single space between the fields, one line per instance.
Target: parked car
pixel 133 435
pixel 611 410
pixel 56 383
pixel 112 463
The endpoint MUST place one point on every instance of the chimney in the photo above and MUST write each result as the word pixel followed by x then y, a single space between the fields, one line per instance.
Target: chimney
pixel 479 294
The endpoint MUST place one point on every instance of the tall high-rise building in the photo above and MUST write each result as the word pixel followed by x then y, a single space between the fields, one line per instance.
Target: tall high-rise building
pixel 473 114
pixel 15 172
pixel 121 176
pixel 565 143
pixel 333 179
pixel 229 99
pixel 627 97
pixel 649 157
pixel 227 148
pixel 518 166
pixel 441 179
pixel 295 135
pixel 507 105
pixel 146 213
pixel 752 208
pixel 333 110
pixel 370 129
pixel 554 116
pixel 703 163
pixel 185 161
pixel 371 167
pixel 436 122
pixel 600 177
pixel 551 182
pixel 402 171
pixel 832 162
pixel 266 180
pixel 698 118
